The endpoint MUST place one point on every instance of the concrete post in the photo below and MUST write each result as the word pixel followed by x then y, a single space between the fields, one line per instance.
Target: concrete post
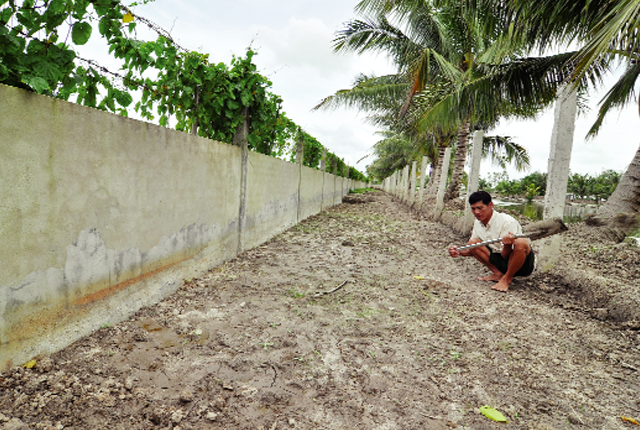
pixel 558 171
pixel 300 162
pixel 241 139
pixel 242 132
pixel 412 184
pixel 474 177
pixel 323 167
pixel 349 182
pixel 423 177
pixel 194 112
pixel 405 184
pixel 300 151
pixel 323 160
pixel 442 186
pixel 392 183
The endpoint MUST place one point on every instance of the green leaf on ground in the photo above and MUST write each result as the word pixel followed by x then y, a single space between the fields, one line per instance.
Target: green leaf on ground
pixel 493 414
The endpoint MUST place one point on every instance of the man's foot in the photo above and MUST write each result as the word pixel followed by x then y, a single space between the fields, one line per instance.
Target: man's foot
pixel 502 285
pixel 492 277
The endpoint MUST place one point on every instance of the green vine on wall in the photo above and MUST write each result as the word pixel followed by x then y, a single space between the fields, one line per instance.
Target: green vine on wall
pixel 38 40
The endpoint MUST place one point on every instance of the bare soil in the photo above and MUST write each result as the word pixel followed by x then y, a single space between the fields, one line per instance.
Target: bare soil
pixel 354 319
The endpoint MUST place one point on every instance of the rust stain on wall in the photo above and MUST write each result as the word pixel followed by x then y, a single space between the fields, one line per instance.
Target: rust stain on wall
pixel 105 292
pixel 56 317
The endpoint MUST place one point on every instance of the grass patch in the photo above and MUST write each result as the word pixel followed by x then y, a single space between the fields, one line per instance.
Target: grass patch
pixel 362 190
pixel 295 293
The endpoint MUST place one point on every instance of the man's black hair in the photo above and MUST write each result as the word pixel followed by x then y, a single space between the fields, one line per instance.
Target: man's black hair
pixel 478 196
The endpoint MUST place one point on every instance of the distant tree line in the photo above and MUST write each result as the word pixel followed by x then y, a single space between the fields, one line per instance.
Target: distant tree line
pixel 582 186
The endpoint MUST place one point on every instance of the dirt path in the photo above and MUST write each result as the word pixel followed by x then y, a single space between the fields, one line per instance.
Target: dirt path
pixel 410 341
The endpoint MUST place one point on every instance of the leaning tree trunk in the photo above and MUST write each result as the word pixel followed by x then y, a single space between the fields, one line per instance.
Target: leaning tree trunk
pixel 434 177
pixel 626 197
pixel 453 192
pixel 621 212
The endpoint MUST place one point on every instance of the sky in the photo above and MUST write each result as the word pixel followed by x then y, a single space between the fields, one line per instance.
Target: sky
pixel 293 39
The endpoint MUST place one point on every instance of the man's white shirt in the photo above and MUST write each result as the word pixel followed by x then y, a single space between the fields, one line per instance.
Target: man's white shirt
pixel 499 226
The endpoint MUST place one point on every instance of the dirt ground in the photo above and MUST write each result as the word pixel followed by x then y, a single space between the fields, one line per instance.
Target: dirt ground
pixel 354 319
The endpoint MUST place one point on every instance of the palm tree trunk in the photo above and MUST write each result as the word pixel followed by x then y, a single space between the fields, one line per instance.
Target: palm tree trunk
pixel 453 192
pixel 434 177
pixel 626 197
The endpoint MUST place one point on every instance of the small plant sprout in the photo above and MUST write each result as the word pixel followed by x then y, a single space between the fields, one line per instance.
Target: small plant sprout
pixel 266 345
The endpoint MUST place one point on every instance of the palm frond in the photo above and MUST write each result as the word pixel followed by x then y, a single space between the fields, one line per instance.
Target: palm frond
pixel 621 93
pixel 370 94
pixel 376 36
pixel 503 150
pixel 617 33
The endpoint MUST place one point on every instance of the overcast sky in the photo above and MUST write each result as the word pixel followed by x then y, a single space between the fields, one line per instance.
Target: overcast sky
pixel 293 41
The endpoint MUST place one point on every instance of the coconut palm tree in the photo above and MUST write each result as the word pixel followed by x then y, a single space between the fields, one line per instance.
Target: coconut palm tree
pixel 607 33
pixel 394 152
pixel 424 32
pixel 382 97
pixel 454 76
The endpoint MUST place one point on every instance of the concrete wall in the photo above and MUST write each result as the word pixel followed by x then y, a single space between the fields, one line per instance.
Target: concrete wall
pixel 311 192
pixel 101 215
pixel 328 189
pixel 272 198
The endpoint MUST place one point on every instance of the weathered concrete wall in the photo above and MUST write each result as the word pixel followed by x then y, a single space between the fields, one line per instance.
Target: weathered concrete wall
pixel 339 189
pixel 311 192
pixel 101 215
pixel 272 198
pixel 328 190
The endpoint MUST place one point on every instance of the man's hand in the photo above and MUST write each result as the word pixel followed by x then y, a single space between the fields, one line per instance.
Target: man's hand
pixel 453 251
pixel 508 239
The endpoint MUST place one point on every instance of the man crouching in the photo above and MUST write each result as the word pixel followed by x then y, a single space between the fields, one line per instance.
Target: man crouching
pixel 512 257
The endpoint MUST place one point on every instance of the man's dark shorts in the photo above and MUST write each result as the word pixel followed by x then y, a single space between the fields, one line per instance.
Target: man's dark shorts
pixel 502 264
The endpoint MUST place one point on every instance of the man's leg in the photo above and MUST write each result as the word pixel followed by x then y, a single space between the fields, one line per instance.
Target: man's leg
pixel 516 258
pixel 483 254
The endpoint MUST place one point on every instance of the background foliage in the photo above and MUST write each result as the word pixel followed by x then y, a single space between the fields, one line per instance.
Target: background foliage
pixel 582 186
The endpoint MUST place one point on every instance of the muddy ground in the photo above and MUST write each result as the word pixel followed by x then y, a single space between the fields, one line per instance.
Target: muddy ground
pixel 354 319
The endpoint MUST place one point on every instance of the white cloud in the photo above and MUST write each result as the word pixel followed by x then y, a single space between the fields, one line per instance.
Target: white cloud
pixel 304 44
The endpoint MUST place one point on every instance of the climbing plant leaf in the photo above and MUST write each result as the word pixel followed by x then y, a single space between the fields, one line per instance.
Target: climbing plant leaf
pixel 81 33
pixel 175 86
